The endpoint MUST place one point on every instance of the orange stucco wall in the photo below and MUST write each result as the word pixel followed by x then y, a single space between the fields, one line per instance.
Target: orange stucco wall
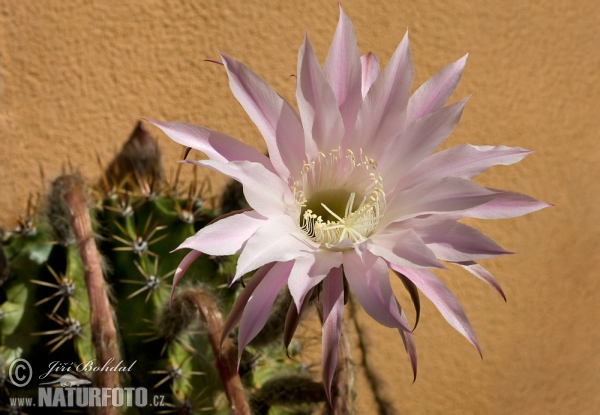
pixel 76 75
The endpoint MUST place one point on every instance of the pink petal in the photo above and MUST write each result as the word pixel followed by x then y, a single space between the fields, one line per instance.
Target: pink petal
pixel 483 274
pixel 275 118
pixel 419 140
pixel 383 112
pixel 343 71
pixel 464 161
pixel 436 196
pixel 442 298
pixel 368 277
pixel 278 240
pixel 370 70
pixel 435 91
pixel 261 301
pixel 216 146
pixel 454 241
pixel 292 319
pixel 181 269
pixel 505 205
pixel 333 308
pixel 321 118
pixel 408 339
pixel 402 247
pixel 265 191
pixel 310 270
pixel 226 236
pixel 235 315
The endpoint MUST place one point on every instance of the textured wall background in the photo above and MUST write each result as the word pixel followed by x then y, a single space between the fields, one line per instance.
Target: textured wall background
pixel 75 77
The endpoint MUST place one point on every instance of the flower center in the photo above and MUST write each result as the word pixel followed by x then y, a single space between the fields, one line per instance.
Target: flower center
pixel 340 197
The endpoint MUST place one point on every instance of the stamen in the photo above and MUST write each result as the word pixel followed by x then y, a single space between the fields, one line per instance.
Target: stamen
pixel 328 179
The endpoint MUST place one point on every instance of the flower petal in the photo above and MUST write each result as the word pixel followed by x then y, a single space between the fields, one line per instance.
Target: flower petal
pixel 449 194
pixel 279 239
pixel 419 140
pixel 505 205
pixel 402 247
pixel 368 277
pixel 442 298
pixel 454 241
pixel 293 318
pixel 259 304
pixel 464 161
pixel 343 71
pixel 275 118
pixel 216 146
pixel 235 315
pixel 483 274
pixel 408 339
pixel 435 91
pixel 310 270
pixel 227 236
pixel 370 70
pixel 181 269
pixel 321 118
pixel 383 112
pixel 265 191
pixel 333 308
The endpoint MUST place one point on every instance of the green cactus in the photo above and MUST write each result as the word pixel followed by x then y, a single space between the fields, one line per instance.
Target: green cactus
pixel 137 219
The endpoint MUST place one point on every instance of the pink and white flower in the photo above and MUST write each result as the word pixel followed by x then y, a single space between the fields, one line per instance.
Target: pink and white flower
pixel 350 190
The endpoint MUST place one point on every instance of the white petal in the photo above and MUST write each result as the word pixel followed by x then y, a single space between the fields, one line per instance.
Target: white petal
pixel 370 282
pixel 435 91
pixel 265 192
pixel 383 112
pixel 278 240
pixel 310 270
pixel 275 118
pixel 226 236
pixel 402 247
pixel 464 161
pixel 321 118
pixel 343 71
pixel 216 146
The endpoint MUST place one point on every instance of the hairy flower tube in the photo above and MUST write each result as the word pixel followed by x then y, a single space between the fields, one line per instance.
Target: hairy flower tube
pixel 351 189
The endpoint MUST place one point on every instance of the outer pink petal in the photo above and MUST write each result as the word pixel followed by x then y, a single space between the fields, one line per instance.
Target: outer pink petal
pixel 402 247
pixel 454 241
pixel 216 146
pixel 265 192
pixel 436 196
pixel 261 301
pixel 235 315
pixel 181 269
pixel 442 298
pixel 483 274
pixel 368 277
pixel 408 339
pixel 333 308
pixel 226 236
pixel 505 205
pixel 419 140
pixel 464 161
pixel 343 71
pixel 370 70
pixel 275 118
pixel 435 91
pixel 383 112
pixel 310 270
pixel 321 118
pixel 278 240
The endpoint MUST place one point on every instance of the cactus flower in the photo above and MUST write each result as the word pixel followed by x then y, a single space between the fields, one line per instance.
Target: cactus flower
pixel 351 189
